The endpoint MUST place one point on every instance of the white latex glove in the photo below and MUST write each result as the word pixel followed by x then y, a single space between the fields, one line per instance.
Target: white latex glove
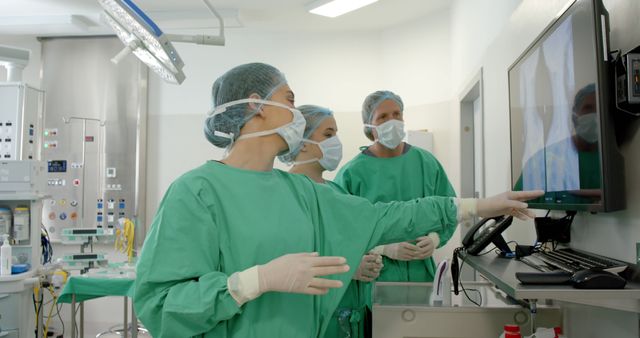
pixel 292 273
pixel 403 251
pixel 369 268
pixel 427 245
pixel 507 203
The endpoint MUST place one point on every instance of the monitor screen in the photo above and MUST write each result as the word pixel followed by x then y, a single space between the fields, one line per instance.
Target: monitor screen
pixel 555 113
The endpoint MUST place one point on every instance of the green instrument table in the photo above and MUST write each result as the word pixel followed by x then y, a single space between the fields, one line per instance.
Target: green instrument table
pixel 81 288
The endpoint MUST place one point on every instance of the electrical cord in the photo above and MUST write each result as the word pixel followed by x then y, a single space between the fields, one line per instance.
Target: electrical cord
pixel 465 290
pixel 57 314
pixel 37 308
pixel 47 248
pixel 58 306
pixel 125 230
pixel 457 270
pixel 54 298
pixel 46 326
pixel 38 305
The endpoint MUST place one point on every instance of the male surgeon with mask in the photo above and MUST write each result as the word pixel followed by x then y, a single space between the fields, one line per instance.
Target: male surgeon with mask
pixel 320 151
pixel 392 170
pixel 239 249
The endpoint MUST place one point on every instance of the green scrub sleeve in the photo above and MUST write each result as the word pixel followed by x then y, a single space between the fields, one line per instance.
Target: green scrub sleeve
pixel 381 223
pixel 180 291
pixel 443 188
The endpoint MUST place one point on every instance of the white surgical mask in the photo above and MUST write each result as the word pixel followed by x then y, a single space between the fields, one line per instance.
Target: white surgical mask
pixel 331 149
pixel 390 133
pixel 587 127
pixel 291 132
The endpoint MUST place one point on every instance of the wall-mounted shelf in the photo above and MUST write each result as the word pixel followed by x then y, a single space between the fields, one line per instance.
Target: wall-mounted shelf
pixel 502 273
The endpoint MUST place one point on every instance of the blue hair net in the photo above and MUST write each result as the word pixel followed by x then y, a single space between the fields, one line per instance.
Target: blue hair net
pixel 314 115
pixel 239 83
pixel 582 94
pixel 372 102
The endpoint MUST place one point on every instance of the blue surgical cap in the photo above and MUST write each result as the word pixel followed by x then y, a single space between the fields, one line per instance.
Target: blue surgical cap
pixel 582 94
pixel 314 115
pixel 239 83
pixel 372 102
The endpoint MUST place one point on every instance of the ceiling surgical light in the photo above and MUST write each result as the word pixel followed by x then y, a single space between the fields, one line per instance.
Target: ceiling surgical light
pixel 334 8
pixel 142 37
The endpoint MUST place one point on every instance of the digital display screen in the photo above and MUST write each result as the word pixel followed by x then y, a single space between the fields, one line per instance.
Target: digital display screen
pixel 84 231
pixel 85 256
pixel 57 166
pixel 555 119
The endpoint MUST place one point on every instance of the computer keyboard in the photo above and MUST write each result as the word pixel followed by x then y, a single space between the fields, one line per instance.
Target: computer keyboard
pixel 537 263
pixel 570 260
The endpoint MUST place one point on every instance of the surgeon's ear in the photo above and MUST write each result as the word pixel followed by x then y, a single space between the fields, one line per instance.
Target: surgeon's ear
pixel 253 106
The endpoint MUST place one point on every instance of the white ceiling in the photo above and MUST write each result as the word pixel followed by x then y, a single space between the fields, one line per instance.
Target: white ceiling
pixel 82 17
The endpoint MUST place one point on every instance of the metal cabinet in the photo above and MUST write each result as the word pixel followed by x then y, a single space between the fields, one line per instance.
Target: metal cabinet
pixel 8 314
pixel 17 315
pixel 405 310
pixel 10 334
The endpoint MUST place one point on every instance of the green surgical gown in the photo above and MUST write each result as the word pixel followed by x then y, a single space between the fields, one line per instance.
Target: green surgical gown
pixel 348 319
pixel 216 220
pixel 414 174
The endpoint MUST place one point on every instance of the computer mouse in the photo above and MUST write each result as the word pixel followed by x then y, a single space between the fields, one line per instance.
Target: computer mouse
pixel 597 279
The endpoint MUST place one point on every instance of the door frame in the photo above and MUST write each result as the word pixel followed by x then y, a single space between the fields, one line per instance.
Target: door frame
pixel 472 92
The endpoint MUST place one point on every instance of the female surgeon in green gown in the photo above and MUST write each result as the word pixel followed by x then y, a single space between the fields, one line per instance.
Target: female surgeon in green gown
pixel 238 249
pixel 392 170
pixel 321 150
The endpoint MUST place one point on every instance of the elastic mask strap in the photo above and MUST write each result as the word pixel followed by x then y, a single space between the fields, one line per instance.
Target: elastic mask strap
pixel 259 133
pixel 373 127
pixel 312 159
pixel 223 107
pixel 306 161
pixel 223 135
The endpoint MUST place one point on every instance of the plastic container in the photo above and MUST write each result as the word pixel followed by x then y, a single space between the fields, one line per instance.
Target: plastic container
pixel 19 268
pixel 511 331
pixel 21 224
pixel 5 256
pixel 5 221
pixel 543 332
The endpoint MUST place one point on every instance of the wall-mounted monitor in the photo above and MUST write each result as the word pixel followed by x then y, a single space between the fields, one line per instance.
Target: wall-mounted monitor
pixel 561 115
